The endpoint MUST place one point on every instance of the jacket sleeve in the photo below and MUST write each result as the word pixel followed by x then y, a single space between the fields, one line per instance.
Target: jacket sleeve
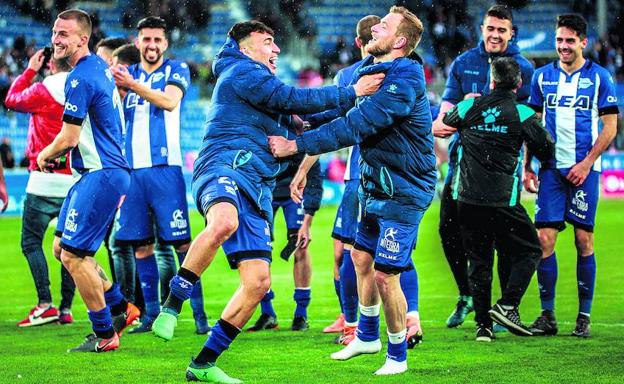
pixel 321 118
pixel 525 90
pixel 537 139
pixel 372 115
pixel 313 192
pixel 452 91
pixel 23 96
pixel 454 117
pixel 265 91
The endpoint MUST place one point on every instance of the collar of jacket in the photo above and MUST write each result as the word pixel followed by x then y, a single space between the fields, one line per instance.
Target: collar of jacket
pixel 512 50
pixel 507 93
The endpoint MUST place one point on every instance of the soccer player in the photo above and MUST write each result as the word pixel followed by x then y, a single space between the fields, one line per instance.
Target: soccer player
pixel 486 185
pixel 92 128
pixel 470 77
pixel 393 128
pixel 45 192
pixel 233 178
pixel 105 48
pixel 152 106
pixel 573 95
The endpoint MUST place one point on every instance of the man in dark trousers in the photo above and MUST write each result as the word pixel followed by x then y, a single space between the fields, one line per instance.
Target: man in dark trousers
pixel 492 129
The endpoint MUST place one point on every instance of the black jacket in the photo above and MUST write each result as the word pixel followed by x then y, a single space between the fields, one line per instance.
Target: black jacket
pixel 492 129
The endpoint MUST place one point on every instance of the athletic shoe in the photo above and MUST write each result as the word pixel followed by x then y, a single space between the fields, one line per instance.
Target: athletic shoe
pixel 201 325
pixel 289 249
pixel 463 307
pixel 392 367
pixel 414 332
pixel 337 326
pixel 264 322
pixel 145 326
pixel 545 324
pixel 124 320
pixel 485 334
pixel 92 343
pixel 582 326
pixel 357 347
pixel 66 316
pixel 348 335
pixel 300 323
pixel 497 328
pixel 510 319
pixel 164 325
pixel 208 372
pixel 40 316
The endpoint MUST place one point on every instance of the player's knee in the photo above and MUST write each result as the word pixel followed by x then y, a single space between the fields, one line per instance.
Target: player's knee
pixel 144 251
pixel 224 227
pixel 258 287
pixel 69 261
pixel 361 260
pixel 183 247
pixel 547 242
pixel 382 280
pixel 584 242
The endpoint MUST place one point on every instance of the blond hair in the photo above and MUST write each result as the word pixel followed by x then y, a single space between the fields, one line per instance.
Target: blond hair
pixel 410 27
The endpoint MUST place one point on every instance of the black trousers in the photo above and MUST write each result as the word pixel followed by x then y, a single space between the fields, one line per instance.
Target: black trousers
pixel 450 234
pixel 516 239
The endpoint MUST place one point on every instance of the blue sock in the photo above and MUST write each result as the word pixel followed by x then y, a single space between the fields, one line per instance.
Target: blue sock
pixel 102 322
pixel 266 305
pixel 338 289
pixel 180 289
pixel 113 296
pixel 547 280
pixel 397 346
pixel 368 327
pixel 148 275
pixel 409 285
pixel 302 298
pixel 197 294
pixel 220 339
pixel 348 287
pixel 586 278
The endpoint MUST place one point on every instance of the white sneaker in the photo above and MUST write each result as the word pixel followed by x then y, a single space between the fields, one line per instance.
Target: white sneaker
pixel 357 347
pixel 392 367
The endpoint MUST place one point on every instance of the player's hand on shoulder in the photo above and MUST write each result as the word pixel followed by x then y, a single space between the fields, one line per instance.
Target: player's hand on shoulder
pixel 530 181
pixel 442 130
pixel 369 84
pixel 281 146
pixel 471 96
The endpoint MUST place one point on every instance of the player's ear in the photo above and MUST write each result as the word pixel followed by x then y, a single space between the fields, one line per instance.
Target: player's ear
pixel 400 42
pixel 358 42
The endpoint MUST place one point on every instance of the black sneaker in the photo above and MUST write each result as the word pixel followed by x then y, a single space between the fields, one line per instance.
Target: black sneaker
pixel 582 326
pixel 289 249
pixel 300 323
pixel 485 333
pixel 510 319
pixel 544 325
pixel 145 326
pixel 264 322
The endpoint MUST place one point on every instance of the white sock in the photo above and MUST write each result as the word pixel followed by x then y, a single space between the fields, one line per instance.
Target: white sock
pixel 371 311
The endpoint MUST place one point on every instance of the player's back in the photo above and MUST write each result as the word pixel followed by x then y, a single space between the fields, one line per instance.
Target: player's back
pixel 93 102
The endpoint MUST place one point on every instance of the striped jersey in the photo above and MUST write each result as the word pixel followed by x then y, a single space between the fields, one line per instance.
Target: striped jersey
pixel 571 106
pixel 92 101
pixel 153 133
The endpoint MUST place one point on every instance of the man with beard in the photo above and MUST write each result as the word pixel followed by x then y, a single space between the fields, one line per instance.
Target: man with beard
pixel 470 77
pixel 157 195
pixel 573 94
pixel 393 130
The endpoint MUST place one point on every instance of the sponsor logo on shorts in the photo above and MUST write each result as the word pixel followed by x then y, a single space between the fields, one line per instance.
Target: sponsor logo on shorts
pixel 178 220
pixel 389 242
pixel 579 201
pixel 70 221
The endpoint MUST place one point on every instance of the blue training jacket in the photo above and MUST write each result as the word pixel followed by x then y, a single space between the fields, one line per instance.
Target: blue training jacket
pixel 470 73
pixel 393 129
pixel 248 104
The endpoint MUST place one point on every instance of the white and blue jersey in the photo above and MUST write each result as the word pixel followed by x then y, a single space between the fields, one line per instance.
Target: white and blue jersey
pixel 92 101
pixel 572 106
pixel 153 133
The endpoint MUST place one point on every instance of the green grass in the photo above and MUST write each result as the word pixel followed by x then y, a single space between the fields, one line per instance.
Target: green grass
pixel 37 355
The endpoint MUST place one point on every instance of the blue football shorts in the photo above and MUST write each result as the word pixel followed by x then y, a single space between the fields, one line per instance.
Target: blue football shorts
pixel 347 216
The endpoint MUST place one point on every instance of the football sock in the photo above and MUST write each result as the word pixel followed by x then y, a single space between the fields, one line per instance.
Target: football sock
pixel 148 274
pixel 348 287
pixel 302 298
pixel 368 327
pixel 397 346
pixel 181 288
pixel 547 280
pixel 197 295
pixel 115 300
pixel 102 323
pixel 337 289
pixel 223 333
pixel 409 286
pixel 586 278
pixel 266 304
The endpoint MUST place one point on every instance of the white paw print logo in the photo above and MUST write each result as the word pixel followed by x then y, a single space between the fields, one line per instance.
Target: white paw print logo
pixel 392 88
pixel 490 115
pixel 74 83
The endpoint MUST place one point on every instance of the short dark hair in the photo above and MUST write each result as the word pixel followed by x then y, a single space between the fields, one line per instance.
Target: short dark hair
pixel 82 18
pixel 152 22
pixel 241 30
pixel 127 54
pixel 364 26
pixel 506 73
pixel 574 22
pixel 500 11
pixel 111 43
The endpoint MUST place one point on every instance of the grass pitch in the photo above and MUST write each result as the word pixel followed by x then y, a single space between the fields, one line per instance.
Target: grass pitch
pixel 38 355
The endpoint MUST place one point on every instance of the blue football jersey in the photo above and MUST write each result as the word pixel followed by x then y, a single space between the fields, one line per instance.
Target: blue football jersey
pixel 571 107
pixel 152 133
pixel 343 79
pixel 92 101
